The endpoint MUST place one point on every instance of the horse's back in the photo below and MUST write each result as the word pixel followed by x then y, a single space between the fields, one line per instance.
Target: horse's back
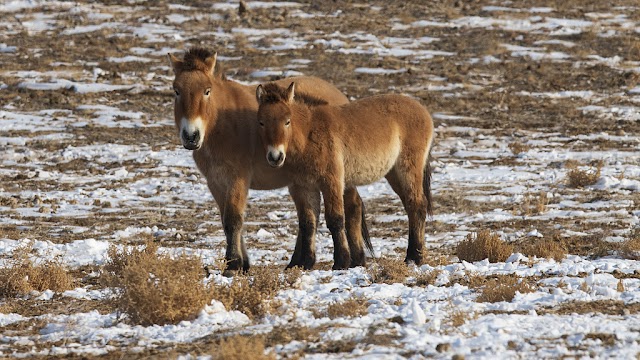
pixel 386 112
pixel 316 87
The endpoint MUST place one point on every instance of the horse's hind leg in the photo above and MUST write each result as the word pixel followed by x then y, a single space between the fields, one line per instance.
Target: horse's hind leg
pixel 406 181
pixel 354 214
pixel 308 207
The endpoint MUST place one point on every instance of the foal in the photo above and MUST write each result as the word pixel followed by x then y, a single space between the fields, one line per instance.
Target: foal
pixel 331 148
pixel 216 118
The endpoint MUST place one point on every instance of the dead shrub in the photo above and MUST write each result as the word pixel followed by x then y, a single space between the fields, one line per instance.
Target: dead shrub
pixel 20 276
pixel 579 178
pixel 252 294
pixel 517 147
pixel 389 271
pixel 548 249
pixel 240 348
pixel 154 288
pixel 504 288
pixel 352 307
pixel 484 245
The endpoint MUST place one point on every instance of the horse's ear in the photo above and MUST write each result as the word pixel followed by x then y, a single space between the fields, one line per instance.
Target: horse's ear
pixel 291 92
pixel 211 64
pixel 259 93
pixel 176 64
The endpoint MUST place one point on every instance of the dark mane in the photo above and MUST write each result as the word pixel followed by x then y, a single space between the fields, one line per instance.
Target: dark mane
pixel 194 59
pixel 274 93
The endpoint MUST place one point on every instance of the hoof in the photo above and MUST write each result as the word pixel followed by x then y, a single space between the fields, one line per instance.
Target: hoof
pixel 341 264
pixel 358 261
pixel 306 264
pixel 235 266
pixel 230 273
pixel 414 258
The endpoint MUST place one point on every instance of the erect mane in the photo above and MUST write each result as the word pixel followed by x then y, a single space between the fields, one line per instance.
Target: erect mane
pixel 194 59
pixel 273 93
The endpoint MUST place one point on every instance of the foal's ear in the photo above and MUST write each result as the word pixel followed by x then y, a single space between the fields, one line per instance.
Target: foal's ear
pixel 176 64
pixel 291 92
pixel 211 63
pixel 259 93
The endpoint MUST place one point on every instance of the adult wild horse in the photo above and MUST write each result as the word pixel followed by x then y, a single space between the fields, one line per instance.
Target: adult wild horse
pixel 216 118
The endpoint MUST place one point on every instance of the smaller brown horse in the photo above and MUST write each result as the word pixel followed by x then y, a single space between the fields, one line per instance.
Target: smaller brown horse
pixel 330 148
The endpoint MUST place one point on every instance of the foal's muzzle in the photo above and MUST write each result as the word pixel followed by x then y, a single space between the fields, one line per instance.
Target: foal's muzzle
pixel 275 158
pixel 191 141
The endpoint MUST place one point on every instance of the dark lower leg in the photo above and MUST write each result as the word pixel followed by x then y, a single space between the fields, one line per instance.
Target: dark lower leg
pixel 353 222
pixel 417 218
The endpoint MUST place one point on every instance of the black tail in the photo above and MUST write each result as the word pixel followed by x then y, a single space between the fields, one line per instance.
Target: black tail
pixel 365 231
pixel 426 185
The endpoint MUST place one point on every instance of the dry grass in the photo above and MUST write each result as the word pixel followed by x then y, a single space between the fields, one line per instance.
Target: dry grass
pixel 543 249
pixel 504 288
pixel 389 271
pixel 154 288
pixel 352 307
pixel 289 333
pixel 630 248
pixel 427 277
pixel 240 348
pixel 517 147
pixel 534 204
pixel 484 245
pixel 456 318
pixel 21 275
pixel 579 178
pixel 252 294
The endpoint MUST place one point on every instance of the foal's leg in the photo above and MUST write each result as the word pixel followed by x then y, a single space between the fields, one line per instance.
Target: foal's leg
pixel 308 208
pixel 353 210
pixel 233 217
pixel 406 181
pixel 333 193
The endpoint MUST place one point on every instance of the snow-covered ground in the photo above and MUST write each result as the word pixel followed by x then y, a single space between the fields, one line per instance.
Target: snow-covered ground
pixel 88 158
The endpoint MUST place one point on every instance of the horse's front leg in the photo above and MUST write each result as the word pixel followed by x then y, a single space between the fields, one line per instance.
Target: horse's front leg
pixel 308 207
pixel 334 214
pixel 233 217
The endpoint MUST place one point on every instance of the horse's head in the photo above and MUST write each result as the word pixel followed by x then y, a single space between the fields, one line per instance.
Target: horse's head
pixel 193 86
pixel 274 118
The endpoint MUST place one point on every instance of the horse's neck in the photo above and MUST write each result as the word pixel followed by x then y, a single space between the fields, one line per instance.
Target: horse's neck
pixel 235 96
pixel 235 103
pixel 303 126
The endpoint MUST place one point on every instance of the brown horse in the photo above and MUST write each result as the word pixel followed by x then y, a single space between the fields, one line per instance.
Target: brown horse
pixel 216 118
pixel 330 148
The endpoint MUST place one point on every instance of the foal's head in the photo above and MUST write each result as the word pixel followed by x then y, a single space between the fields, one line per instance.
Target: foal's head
pixel 274 117
pixel 194 106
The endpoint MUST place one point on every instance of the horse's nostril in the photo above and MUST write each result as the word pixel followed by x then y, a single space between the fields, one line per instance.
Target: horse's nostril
pixel 276 158
pixel 192 138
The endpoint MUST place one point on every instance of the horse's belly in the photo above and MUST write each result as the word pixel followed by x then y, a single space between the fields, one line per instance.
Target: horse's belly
pixel 366 167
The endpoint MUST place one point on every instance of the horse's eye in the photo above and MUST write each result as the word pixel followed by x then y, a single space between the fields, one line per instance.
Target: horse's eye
pixel 261 123
pixel 177 92
pixel 207 92
pixel 288 122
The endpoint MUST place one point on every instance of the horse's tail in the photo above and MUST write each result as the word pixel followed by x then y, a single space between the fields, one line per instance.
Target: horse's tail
pixel 365 231
pixel 426 184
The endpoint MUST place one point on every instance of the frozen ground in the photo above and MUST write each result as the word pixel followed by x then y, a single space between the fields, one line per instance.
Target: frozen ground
pixel 519 94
